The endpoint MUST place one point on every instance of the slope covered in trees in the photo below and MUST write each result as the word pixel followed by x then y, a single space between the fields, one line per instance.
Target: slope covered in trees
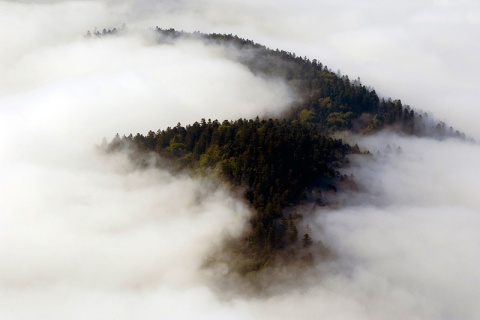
pixel 278 164
pixel 331 101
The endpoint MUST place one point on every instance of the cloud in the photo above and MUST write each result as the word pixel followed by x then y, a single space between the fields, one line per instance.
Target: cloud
pixel 423 52
pixel 85 236
pixel 410 249
pixel 78 226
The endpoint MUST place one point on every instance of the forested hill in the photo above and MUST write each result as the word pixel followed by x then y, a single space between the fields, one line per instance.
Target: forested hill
pixel 278 164
pixel 331 101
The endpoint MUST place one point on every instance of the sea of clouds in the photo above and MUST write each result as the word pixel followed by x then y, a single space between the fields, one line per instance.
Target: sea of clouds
pixel 88 236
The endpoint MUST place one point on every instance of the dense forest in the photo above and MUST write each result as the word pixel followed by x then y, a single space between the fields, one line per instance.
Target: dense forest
pixel 329 100
pixel 277 165
pixel 280 163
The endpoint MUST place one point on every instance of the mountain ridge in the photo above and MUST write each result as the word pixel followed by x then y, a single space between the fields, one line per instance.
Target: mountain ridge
pixel 283 162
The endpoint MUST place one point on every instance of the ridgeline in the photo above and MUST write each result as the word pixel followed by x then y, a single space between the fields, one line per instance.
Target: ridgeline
pixel 278 164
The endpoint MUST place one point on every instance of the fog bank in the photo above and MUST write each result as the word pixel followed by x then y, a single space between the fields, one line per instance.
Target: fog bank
pixel 410 247
pixel 85 235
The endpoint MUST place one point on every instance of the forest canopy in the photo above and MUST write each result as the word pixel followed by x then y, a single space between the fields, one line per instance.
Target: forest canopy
pixel 278 164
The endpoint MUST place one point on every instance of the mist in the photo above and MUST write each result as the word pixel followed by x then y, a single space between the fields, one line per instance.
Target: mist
pixel 84 235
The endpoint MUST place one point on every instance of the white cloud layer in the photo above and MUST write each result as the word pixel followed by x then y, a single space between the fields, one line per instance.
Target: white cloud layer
pixel 84 236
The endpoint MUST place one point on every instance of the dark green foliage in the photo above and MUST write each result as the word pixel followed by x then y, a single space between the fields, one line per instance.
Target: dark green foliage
pixel 275 162
pixel 331 101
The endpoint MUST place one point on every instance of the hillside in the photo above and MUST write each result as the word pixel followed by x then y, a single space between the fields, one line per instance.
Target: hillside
pixel 329 100
pixel 278 164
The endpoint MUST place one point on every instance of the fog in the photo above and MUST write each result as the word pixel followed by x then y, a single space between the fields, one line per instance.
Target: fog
pixel 84 235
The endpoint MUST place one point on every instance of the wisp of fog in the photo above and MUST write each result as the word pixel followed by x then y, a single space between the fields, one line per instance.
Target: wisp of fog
pixel 84 235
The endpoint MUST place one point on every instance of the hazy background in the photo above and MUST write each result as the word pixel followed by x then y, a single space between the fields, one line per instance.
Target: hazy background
pixel 85 236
